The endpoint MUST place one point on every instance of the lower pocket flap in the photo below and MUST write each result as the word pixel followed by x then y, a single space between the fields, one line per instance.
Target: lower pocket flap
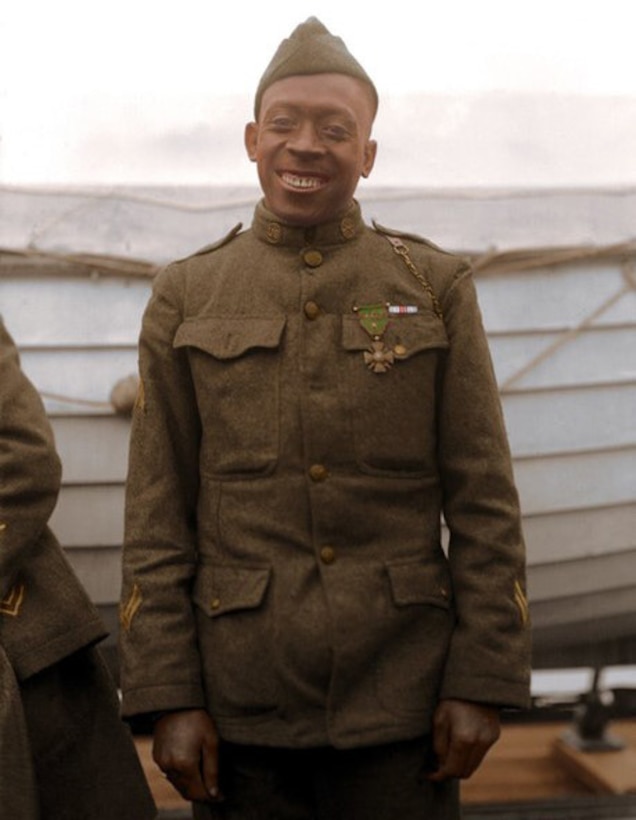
pixel 221 588
pixel 419 583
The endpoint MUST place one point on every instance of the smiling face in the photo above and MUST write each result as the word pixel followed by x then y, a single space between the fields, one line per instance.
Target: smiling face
pixel 311 145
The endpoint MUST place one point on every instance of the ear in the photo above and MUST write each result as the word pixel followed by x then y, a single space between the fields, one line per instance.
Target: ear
pixel 251 140
pixel 370 150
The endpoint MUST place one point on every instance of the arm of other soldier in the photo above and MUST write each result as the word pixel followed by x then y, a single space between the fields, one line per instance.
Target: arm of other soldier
pixel 29 465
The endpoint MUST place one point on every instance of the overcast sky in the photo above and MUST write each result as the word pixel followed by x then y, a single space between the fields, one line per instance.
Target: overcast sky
pixel 472 91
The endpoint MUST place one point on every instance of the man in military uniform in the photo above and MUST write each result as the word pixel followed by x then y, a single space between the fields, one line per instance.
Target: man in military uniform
pixel 314 394
pixel 64 752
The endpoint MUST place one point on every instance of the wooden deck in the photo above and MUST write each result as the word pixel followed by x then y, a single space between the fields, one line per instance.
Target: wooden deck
pixel 521 777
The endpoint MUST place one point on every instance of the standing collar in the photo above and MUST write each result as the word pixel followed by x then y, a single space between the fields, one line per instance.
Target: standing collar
pixel 268 228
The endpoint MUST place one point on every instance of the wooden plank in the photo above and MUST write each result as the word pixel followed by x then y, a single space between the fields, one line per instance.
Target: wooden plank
pixel 561 421
pixel 577 481
pixel 84 378
pixel 611 772
pixel 94 450
pixel 521 766
pixel 573 534
pixel 552 298
pixel 87 516
pixel 99 571
pixel 595 356
pixel 595 610
pixel 570 534
pixel 583 575
pixel 73 311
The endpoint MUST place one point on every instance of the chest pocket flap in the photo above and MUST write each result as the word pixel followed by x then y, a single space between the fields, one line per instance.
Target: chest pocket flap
pixel 230 337
pixel 413 333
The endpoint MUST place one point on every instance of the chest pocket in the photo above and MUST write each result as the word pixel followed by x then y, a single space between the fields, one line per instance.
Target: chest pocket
pixel 393 407
pixel 235 365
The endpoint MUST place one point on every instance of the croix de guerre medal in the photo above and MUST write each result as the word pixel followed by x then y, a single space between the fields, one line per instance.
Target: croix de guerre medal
pixel 374 320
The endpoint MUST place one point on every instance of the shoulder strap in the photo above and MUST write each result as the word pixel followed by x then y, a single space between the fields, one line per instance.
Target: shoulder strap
pixel 219 243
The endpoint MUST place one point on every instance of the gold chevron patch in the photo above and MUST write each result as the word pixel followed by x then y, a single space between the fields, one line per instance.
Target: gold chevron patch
pixel 128 611
pixel 522 603
pixel 10 605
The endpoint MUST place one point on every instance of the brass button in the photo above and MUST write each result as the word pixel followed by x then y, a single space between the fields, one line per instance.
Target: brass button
pixel 312 258
pixel 312 311
pixel 274 233
pixel 444 592
pixel 327 555
pixel 348 228
pixel 215 603
pixel 318 472
pixel 399 350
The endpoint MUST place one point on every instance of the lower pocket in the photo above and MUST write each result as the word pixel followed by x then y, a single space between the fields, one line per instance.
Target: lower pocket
pixel 235 639
pixel 422 619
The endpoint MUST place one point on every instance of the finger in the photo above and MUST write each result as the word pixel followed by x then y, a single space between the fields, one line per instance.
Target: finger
pixel 452 764
pixel 210 770
pixel 189 783
pixel 441 744
pixel 462 761
pixel 441 736
pixel 474 759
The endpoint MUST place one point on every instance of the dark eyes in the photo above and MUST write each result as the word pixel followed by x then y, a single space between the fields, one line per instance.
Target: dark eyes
pixel 328 131
pixel 335 132
pixel 282 123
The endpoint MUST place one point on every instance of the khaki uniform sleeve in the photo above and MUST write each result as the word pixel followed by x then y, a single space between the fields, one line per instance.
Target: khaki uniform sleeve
pixel 160 661
pixel 489 659
pixel 30 470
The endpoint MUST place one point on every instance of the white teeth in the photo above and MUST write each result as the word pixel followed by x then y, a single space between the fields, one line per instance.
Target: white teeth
pixel 301 182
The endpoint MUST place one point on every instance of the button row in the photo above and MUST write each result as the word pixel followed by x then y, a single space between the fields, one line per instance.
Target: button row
pixel 311 310
pixel 312 258
pixel 318 472
pixel 327 555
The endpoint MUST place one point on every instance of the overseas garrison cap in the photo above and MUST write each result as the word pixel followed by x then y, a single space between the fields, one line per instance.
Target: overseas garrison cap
pixel 311 49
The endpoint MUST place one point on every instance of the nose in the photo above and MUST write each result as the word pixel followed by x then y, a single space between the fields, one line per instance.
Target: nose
pixel 305 140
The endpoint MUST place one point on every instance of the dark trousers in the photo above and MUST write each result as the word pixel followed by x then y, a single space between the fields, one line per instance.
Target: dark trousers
pixel 376 783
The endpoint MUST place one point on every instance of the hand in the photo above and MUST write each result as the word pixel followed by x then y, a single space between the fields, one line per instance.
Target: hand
pixel 462 734
pixel 186 749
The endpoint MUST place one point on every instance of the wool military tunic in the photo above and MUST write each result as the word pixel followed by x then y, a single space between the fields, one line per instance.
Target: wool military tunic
pixel 289 466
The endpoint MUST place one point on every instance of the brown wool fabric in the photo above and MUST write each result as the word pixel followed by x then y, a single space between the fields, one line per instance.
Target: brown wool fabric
pixel 64 751
pixel 311 49
pixel 294 495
